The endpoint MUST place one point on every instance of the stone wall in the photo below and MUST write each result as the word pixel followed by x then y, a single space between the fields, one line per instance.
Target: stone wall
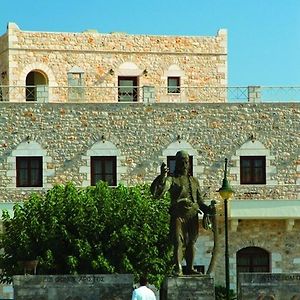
pixel 3 60
pixel 283 286
pixel 141 135
pixel 199 61
pixel 3 42
pixel 188 287
pixel 73 287
pixel 270 235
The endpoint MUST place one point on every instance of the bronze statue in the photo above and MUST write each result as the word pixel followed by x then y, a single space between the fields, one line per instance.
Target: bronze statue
pixel 186 202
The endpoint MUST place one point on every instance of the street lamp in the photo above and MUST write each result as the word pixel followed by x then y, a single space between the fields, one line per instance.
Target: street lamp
pixel 226 192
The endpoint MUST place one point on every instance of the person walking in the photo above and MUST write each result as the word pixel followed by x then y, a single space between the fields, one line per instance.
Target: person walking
pixel 143 292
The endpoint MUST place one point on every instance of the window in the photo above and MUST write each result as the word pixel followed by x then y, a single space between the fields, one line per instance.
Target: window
pixel 171 162
pixel 128 89
pixel 103 168
pixel 252 260
pixel 29 171
pixel 173 85
pixel 253 169
pixel 76 90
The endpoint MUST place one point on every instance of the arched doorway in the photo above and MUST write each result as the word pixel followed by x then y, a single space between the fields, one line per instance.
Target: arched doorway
pixel 253 260
pixel 36 86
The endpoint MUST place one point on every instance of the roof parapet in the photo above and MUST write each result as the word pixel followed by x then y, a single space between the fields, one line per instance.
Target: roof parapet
pixel 90 31
pixel 222 31
pixel 12 25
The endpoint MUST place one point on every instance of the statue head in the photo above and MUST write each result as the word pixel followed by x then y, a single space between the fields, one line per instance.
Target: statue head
pixel 182 163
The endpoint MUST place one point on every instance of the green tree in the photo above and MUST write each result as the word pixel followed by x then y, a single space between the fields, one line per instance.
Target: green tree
pixel 86 231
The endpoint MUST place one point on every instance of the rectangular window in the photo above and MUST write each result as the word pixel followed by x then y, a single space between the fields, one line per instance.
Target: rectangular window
pixel 253 169
pixel 171 163
pixel 29 171
pixel 127 89
pixel 173 85
pixel 76 87
pixel 104 168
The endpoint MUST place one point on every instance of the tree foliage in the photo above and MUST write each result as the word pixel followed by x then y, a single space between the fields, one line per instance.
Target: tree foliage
pixel 88 231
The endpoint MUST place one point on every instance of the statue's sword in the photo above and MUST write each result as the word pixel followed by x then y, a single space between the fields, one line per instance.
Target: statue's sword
pixel 214 226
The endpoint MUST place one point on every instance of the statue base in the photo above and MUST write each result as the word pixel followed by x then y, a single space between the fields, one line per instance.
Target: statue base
pixel 68 287
pixel 188 287
pixel 269 286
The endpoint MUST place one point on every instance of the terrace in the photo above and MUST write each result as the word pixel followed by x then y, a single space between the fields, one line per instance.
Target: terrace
pixel 148 94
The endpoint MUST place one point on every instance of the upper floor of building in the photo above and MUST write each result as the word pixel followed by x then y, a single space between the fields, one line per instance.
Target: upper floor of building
pixel 96 67
pixel 117 67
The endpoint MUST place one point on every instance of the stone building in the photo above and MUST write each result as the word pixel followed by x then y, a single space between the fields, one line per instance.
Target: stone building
pixel 86 106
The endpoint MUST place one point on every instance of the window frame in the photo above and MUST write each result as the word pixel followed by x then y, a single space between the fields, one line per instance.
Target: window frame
pixel 104 159
pixel 176 88
pixel 28 170
pixel 253 179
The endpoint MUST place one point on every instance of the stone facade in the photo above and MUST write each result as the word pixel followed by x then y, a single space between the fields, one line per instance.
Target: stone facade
pixel 100 59
pixel 141 135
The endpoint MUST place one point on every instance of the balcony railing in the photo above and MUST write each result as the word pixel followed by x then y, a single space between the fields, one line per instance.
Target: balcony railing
pixel 148 94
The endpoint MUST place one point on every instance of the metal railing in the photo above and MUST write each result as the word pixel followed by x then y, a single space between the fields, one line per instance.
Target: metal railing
pixel 148 94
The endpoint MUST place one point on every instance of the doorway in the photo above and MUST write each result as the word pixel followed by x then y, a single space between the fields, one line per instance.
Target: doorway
pixel 253 260
pixel 127 89
pixel 36 87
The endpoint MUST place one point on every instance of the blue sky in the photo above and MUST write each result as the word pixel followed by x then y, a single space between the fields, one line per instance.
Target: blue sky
pixel 263 35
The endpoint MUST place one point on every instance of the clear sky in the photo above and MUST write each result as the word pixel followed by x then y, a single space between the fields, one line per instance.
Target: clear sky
pixel 263 35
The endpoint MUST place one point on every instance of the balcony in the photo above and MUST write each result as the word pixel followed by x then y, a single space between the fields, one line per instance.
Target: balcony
pixel 287 210
pixel 148 94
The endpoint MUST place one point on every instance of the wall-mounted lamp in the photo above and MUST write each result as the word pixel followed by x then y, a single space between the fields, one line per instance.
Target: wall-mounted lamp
pixel 111 72
pixel 145 72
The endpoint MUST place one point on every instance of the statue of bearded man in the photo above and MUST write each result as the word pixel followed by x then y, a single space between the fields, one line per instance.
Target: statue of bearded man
pixel 186 204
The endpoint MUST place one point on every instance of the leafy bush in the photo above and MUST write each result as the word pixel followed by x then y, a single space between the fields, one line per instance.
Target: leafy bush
pixel 91 230
pixel 220 293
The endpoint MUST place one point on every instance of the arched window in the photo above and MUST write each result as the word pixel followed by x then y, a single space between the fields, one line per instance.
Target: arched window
pixel 28 166
pixel 128 82
pixel 103 162
pixel 36 86
pixel 253 260
pixel 254 165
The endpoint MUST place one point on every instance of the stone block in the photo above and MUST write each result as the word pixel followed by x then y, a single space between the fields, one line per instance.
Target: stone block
pixel 296 260
pixel 79 287
pixel 188 287
pixel 281 286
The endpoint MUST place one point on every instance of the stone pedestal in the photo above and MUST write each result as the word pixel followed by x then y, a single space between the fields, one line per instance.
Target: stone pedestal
pixel 279 286
pixel 69 287
pixel 188 288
